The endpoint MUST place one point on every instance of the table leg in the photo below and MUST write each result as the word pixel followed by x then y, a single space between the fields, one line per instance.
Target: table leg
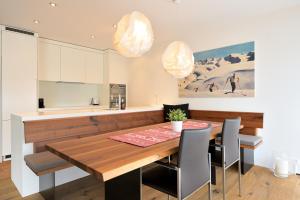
pixel 127 186
pixel 247 159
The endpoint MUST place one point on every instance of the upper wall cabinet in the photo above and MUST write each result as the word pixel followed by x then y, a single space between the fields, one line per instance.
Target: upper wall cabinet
pixel 117 67
pixel 69 63
pixel 94 67
pixel 48 61
pixel 72 65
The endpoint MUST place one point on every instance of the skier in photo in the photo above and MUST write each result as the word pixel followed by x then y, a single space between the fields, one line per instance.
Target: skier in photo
pixel 212 87
pixel 234 81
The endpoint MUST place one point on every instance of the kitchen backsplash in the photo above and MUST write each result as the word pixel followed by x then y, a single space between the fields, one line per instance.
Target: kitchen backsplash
pixel 57 94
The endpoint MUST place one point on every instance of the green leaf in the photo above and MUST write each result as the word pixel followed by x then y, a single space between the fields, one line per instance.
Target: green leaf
pixel 177 115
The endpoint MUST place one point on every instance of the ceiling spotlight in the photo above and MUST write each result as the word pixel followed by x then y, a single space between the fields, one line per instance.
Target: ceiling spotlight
pixel 36 21
pixel 114 26
pixel 53 4
pixel 92 36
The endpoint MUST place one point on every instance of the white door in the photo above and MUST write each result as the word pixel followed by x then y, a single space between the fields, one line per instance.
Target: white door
pixel 48 61
pixel 19 76
pixel 94 67
pixel 1 145
pixel 6 136
pixel 72 65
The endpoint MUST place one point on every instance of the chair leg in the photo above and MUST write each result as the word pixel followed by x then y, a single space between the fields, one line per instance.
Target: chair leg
pixel 240 188
pixel 224 186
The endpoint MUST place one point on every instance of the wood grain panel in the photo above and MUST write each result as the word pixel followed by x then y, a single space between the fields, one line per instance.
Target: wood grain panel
pixel 250 120
pixel 106 158
pixel 47 130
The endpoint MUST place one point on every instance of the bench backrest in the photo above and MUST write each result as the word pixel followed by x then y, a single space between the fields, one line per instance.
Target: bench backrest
pixel 43 132
pixel 250 120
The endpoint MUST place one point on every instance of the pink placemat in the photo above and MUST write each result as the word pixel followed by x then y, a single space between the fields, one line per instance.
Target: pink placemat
pixel 147 137
pixel 194 125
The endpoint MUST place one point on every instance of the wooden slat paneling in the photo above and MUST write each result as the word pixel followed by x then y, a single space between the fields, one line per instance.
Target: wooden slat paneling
pixel 250 120
pixel 45 131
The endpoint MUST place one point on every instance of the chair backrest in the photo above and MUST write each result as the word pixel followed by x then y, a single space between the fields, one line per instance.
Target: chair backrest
pixel 230 135
pixel 193 159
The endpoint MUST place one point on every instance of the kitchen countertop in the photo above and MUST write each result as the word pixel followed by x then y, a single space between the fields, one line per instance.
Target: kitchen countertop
pixel 43 114
pixel 72 108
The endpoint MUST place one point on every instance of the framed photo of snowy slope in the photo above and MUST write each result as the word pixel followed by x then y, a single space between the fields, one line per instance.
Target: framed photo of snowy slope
pixel 223 72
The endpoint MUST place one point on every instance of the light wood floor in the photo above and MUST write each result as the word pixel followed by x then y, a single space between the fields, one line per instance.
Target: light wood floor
pixel 258 184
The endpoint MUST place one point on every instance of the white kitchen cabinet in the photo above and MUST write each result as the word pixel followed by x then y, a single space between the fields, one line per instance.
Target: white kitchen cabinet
pixel 94 67
pixel 19 73
pixel 48 61
pixel 117 67
pixel 18 79
pixel 72 65
pixel 6 137
pixel 115 70
pixel 58 61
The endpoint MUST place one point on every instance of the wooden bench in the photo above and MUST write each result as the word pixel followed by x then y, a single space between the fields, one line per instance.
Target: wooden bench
pixel 42 132
pixel 251 121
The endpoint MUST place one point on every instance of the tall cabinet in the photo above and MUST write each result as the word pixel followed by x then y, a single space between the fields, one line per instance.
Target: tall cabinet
pixel 116 71
pixel 18 79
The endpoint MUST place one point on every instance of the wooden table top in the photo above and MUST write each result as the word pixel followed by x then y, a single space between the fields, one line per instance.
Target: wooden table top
pixel 107 158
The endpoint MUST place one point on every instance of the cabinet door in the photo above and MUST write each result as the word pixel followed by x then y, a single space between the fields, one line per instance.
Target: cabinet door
pixel 72 65
pixel 6 138
pixel 19 73
pixel 118 68
pixel 94 67
pixel 48 62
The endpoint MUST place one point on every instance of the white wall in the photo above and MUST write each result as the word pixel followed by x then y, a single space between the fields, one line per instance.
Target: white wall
pixel 67 94
pixel 277 40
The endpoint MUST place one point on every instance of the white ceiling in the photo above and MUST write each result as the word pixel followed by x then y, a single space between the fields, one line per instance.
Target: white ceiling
pixel 74 21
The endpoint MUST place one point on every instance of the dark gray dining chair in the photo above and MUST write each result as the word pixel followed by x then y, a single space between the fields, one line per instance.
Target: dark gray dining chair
pixel 190 173
pixel 227 153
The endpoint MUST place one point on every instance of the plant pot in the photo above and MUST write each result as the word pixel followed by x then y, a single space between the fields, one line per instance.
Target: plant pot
pixel 177 126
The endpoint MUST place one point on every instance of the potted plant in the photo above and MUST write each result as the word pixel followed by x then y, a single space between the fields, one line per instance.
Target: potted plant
pixel 177 116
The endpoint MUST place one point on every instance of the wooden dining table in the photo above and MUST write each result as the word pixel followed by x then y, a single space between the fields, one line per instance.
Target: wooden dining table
pixel 117 164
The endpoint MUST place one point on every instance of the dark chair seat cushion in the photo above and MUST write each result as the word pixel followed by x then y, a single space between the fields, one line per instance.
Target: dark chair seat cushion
pixel 250 140
pixel 168 108
pixel 162 179
pixel 45 162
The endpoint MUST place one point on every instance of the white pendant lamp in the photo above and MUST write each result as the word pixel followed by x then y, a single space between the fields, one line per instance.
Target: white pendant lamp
pixel 134 35
pixel 178 59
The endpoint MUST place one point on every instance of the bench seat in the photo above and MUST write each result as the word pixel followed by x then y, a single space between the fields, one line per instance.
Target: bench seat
pixel 45 162
pixel 250 140
pixel 247 141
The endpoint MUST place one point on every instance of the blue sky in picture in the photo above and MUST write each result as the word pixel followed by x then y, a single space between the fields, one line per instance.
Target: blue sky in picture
pixel 225 51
